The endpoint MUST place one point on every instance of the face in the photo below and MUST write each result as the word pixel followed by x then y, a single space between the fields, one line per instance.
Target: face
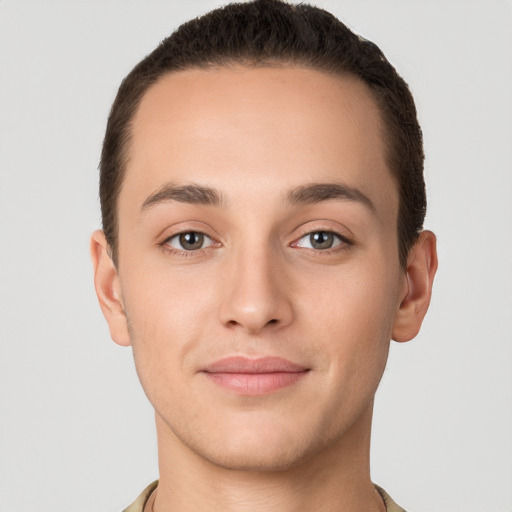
pixel 258 260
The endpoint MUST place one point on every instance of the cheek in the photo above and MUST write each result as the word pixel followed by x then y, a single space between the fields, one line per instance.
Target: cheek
pixel 166 300
pixel 354 317
pixel 167 315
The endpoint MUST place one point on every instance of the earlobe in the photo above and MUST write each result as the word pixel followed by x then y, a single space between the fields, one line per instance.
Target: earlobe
pixel 417 290
pixel 108 289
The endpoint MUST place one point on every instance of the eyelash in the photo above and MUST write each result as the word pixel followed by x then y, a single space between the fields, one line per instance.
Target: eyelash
pixel 183 252
pixel 343 243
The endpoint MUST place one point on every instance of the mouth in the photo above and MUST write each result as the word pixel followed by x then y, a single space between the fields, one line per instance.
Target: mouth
pixel 253 377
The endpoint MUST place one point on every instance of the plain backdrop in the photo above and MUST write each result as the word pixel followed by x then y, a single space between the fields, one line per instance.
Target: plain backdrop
pixel 76 431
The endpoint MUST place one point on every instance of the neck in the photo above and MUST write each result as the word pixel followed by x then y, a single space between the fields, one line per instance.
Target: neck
pixel 337 479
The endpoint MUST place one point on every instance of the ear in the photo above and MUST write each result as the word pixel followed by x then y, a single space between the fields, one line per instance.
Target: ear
pixel 417 287
pixel 108 289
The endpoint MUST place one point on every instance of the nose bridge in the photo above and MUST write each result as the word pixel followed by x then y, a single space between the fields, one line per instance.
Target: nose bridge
pixel 255 294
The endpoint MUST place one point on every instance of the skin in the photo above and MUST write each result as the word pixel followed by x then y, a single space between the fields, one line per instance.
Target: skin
pixel 258 287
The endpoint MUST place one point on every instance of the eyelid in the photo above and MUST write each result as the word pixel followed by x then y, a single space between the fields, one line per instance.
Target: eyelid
pixel 326 225
pixel 181 228
pixel 186 227
pixel 342 239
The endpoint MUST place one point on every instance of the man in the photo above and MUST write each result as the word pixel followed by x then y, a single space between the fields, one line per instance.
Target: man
pixel 263 201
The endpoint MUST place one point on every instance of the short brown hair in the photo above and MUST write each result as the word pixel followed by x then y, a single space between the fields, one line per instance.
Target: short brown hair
pixel 272 32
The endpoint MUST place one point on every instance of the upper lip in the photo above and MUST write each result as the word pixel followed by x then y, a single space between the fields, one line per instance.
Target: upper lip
pixel 241 364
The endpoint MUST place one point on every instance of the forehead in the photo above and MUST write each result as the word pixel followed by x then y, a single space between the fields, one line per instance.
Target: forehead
pixel 273 127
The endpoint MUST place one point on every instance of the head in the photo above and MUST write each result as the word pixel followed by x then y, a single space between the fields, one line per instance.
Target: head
pixel 272 33
pixel 255 169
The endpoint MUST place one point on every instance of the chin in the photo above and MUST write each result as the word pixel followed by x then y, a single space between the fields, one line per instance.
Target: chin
pixel 256 446
pixel 254 457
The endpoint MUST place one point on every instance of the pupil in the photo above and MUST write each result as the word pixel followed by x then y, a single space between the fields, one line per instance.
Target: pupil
pixel 191 240
pixel 321 240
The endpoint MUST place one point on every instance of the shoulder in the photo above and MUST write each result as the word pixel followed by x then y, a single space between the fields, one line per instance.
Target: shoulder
pixel 391 506
pixel 140 502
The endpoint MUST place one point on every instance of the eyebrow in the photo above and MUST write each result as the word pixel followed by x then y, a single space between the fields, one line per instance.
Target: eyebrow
pixel 305 194
pixel 191 193
pixel 318 192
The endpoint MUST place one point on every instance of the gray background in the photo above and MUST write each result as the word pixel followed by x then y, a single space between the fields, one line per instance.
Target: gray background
pixel 76 433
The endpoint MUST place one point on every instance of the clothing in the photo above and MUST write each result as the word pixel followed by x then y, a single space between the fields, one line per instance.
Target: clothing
pixel 138 504
pixel 391 506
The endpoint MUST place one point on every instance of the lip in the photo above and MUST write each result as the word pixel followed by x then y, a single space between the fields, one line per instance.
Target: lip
pixel 247 376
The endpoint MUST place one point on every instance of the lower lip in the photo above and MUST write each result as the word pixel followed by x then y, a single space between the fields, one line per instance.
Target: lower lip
pixel 255 383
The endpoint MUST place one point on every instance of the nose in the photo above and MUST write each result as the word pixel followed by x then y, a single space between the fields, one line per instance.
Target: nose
pixel 256 293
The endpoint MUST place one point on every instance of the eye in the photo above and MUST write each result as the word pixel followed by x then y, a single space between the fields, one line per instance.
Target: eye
pixel 189 241
pixel 321 240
